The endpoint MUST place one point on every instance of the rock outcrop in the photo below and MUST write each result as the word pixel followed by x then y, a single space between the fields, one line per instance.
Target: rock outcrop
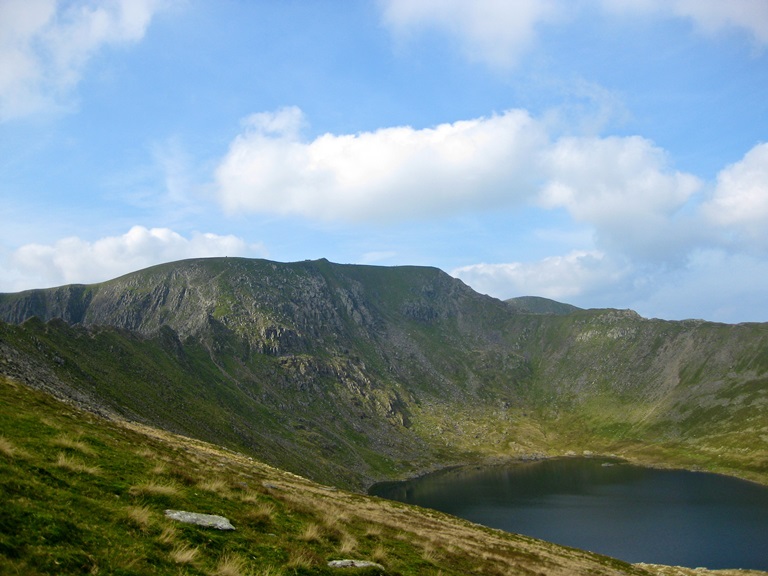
pixel 205 520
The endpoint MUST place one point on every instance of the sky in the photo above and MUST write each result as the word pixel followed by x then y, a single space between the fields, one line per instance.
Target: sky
pixel 604 153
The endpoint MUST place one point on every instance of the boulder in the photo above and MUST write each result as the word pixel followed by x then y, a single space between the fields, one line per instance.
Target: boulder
pixel 354 564
pixel 206 520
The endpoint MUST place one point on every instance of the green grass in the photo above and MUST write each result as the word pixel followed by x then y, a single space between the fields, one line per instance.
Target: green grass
pixel 83 495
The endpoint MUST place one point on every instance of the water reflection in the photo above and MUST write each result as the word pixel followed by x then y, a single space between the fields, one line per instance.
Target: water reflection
pixel 636 514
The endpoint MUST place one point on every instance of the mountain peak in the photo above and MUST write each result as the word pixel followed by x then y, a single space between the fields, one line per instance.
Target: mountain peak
pixel 539 305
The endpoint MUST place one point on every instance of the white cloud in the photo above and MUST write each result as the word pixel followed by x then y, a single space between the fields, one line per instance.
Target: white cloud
pixel 571 278
pixel 739 205
pixel 622 187
pixel 19 67
pixel 397 172
pixel 713 284
pixel 73 260
pixel 45 45
pixel 710 16
pixel 499 32
pixel 493 31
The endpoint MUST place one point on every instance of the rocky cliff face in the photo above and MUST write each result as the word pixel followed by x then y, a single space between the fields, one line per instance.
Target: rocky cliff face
pixel 358 372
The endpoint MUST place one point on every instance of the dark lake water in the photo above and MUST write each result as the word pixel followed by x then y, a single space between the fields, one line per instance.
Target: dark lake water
pixel 628 512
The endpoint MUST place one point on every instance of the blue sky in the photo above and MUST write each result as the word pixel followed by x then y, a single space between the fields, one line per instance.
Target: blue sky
pixel 605 153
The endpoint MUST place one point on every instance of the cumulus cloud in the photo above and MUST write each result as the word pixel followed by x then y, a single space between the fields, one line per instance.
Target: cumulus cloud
pixel 75 260
pixel 45 45
pixel 621 186
pixel 390 173
pixel 492 31
pixel 624 188
pixel 713 284
pixel 739 205
pixel 572 278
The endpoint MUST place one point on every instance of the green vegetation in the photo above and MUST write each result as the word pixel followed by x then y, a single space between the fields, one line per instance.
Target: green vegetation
pixel 355 374
pixel 84 495
pixel 539 305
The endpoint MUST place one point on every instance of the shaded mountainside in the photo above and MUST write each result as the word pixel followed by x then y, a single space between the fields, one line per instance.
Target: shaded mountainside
pixel 351 374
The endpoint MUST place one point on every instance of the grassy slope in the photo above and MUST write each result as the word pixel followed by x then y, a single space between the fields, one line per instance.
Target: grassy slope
pixel 85 495
pixel 251 407
pixel 539 305
pixel 692 394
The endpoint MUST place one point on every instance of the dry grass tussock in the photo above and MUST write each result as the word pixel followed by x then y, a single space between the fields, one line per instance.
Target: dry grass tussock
pixel 431 554
pixel 152 488
pixel 73 465
pixel 215 485
pixel 312 533
pixel 250 497
pixel 168 536
pixel 348 543
pixel 231 565
pixel 146 453
pixel 379 554
pixel 262 513
pixel 301 558
pixel 140 516
pixel 298 500
pixel 184 554
pixel 7 448
pixel 75 444
pixel 332 516
pixel 183 475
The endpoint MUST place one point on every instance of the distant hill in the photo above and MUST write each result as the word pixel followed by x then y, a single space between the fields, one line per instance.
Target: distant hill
pixel 539 305
pixel 354 374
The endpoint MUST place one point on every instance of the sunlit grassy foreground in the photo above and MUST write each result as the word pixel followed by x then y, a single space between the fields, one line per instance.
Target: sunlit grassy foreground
pixel 82 495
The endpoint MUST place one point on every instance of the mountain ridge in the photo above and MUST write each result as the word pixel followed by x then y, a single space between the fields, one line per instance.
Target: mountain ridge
pixel 359 373
pixel 539 305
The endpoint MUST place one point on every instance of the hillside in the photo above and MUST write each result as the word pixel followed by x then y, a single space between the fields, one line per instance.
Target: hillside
pixel 85 495
pixel 539 305
pixel 353 374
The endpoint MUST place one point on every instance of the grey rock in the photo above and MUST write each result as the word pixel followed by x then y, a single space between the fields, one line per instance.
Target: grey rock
pixel 354 564
pixel 206 520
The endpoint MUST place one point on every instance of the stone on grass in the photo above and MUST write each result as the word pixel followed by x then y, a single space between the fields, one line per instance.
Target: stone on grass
pixel 354 564
pixel 206 520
